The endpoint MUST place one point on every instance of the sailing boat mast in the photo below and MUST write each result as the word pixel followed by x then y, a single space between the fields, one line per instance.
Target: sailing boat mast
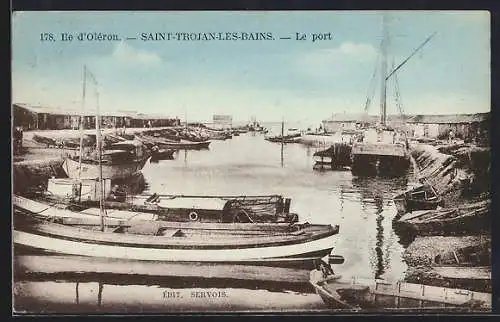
pixel 82 118
pixel 99 146
pixel 383 90
pixel 99 150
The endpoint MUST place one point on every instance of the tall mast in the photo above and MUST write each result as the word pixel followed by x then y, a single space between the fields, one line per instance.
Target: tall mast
pixel 383 90
pixel 82 118
pixel 99 146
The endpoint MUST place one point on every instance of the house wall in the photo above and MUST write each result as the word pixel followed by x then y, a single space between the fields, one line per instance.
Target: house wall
pixel 461 130
pixel 75 122
pixel 335 126
pixel 442 130
pixel 24 118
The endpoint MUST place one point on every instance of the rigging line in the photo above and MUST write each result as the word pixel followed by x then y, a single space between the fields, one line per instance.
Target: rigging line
pixel 411 55
pixel 398 95
pixel 371 87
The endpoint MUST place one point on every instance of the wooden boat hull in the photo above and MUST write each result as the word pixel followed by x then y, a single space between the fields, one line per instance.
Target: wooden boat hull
pixel 385 165
pixel 419 198
pixel 109 171
pixel 286 140
pixel 295 255
pixel 377 295
pixel 404 205
pixel 138 237
pixel 185 145
pixel 255 209
pixel 446 222
pixel 162 154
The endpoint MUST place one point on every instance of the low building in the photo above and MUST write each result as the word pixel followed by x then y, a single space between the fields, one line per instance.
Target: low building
pixel 222 122
pixel 463 126
pixel 344 122
pixel 153 120
pixel 32 117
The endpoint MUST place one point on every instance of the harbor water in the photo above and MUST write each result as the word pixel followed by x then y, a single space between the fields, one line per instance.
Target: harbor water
pixel 246 165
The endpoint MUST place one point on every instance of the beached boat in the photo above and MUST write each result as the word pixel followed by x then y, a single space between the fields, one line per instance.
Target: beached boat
pixel 422 197
pixel 122 160
pixel 44 140
pixel 219 134
pixel 179 144
pixel 353 293
pixel 448 221
pixel 474 255
pixel 138 237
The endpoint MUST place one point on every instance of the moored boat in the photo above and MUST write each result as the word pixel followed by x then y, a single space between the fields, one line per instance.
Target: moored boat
pixel 422 197
pixel 285 139
pixel 448 221
pixel 281 245
pixel 380 151
pixel 353 293
pixel 161 154
pixel 122 160
pixel 180 144
pixel 81 197
pixel 383 148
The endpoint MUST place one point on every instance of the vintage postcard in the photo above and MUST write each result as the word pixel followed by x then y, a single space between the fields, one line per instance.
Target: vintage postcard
pixel 251 161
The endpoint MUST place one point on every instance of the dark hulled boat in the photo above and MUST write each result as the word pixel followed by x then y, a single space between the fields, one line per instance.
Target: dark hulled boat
pixel 422 197
pixel 471 218
pixel 179 208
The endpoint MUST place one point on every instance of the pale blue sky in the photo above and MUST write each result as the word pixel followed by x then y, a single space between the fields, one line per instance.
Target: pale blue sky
pixel 298 80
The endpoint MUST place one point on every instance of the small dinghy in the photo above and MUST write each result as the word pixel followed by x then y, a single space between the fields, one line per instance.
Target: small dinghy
pixel 352 293
pixel 422 197
pixel 471 218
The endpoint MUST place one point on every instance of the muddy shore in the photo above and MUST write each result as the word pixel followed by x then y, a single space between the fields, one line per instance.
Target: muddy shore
pixel 461 175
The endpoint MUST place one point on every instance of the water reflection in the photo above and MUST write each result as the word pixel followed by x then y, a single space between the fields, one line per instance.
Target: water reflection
pixel 72 296
pixel 376 198
pixel 282 156
pixel 380 238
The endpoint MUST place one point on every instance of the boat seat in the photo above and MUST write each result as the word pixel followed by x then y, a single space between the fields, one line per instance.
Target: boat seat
pixel 146 228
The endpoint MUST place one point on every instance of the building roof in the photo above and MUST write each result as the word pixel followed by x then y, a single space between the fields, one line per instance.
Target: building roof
pixel 447 119
pixel 360 117
pixel 89 112
pixel 47 110
pixel 349 117
pixel 436 119
pixel 141 116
